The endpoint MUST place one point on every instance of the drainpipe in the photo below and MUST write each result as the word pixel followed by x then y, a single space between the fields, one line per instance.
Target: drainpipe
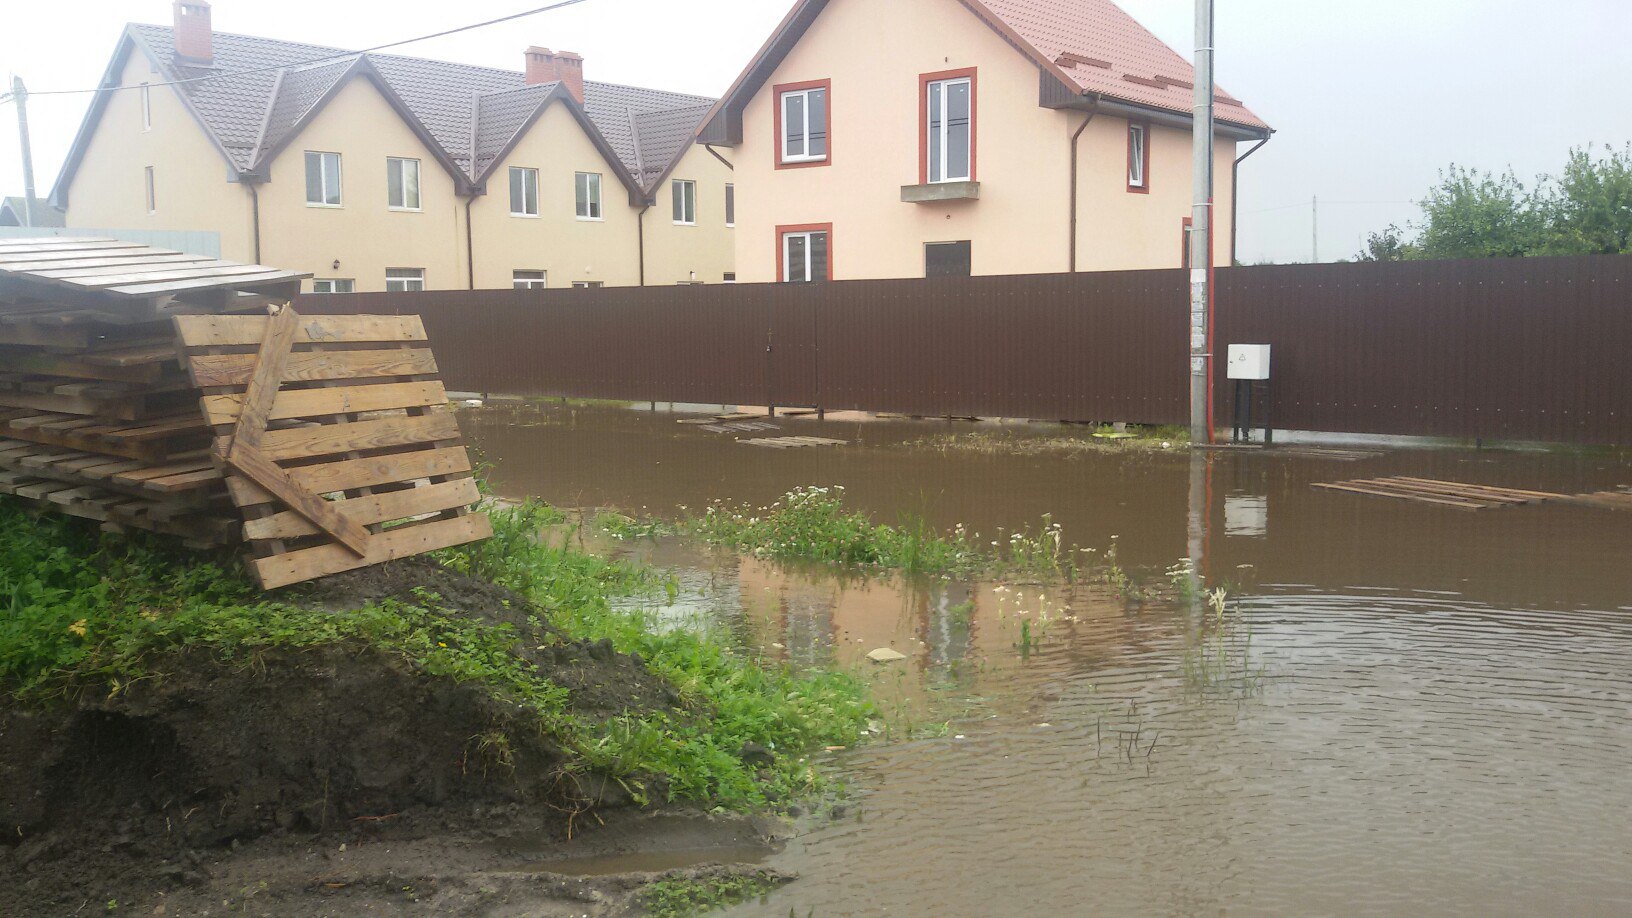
pixel 640 228
pixel 470 246
pixel 1235 193
pixel 1074 170
pixel 255 216
pixel 716 154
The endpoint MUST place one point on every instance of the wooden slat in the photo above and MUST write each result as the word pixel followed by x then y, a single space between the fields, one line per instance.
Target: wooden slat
pixel 1446 489
pixel 1492 489
pixel 117 409
pixel 311 403
pixel 270 362
pixel 35 361
pixel 354 537
pixel 1380 492
pixel 374 508
pixel 226 370
pixel 98 279
pixel 245 281
pixel 236 331
pixel 332 439
pixel 324 560
pixel 46 336
pixel 54 261
pixel 350 474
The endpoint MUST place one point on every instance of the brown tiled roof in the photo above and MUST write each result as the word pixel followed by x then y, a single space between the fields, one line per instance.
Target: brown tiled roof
pixel 468 115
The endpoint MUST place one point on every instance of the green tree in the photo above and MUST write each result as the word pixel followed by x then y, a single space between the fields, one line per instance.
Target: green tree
pixel 1589 207
pixel 1472 214
pixel 1388 245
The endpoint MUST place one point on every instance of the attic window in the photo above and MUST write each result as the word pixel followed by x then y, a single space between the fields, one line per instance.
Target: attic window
pixel 589 195
pixel 1139 158
pixel 802 124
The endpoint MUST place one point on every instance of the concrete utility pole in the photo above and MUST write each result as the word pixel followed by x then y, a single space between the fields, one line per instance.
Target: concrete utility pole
pixel 1201 236
pixel 19 95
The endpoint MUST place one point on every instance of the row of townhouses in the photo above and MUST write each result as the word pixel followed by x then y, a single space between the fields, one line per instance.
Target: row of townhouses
pixel 866 139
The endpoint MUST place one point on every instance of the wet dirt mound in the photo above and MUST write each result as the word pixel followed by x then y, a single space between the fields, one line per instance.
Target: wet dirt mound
pixel 133 790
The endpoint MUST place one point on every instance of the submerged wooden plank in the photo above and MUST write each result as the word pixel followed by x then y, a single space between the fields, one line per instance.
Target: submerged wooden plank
pixel 374 508
pixel 1398 495
pixel 324 560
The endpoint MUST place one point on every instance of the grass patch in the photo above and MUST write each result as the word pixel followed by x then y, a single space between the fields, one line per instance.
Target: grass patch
pixel 1101 439
pixel 683 896
pixel 813 524
pixel 86 612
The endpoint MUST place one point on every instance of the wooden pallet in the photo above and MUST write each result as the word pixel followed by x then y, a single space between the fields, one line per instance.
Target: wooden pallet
pixel 1458 495
pixel 335 438
pixel 150 440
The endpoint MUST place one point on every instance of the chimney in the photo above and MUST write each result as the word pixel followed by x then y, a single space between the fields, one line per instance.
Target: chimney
pixel 564 67
pixel 194 43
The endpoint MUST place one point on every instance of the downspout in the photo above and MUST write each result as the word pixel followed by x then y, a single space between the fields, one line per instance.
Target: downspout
pixel 1235 194
pixel 1074 170
pixel 470 246
pixel 716 154
pixel 255 218
pixel 640 228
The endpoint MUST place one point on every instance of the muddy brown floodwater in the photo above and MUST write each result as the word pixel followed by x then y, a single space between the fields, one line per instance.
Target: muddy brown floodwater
pixel 1403 708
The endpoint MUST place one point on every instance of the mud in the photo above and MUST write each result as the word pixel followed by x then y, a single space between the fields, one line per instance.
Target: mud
pixel 152 794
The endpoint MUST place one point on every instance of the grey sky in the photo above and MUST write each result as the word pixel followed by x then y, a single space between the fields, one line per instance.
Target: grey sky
pixel 1370 99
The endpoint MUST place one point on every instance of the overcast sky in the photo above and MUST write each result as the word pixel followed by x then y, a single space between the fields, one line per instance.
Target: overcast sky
pixel 1370 98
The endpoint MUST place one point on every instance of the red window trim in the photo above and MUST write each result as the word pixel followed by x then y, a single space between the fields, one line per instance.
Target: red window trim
pixel 776 144
pixel 783 231
pixel 1132 188
pixel 924 79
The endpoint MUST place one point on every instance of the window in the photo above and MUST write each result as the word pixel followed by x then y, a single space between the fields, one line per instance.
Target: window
pixel 948 259
pixel 730 277
pixel 589 196
pixel 322 179
pixel 730 205
pixel 404 280
pixel 685 202
pixel 147 107
pixel 332 285
pixel 949 127
pixel 530 280
pixel 588 285
pixel 523 192
pixel 1186 238
pixel 801 124
pixel 152 199
pixel 1139 158
pixel 402 183
pixel 804 256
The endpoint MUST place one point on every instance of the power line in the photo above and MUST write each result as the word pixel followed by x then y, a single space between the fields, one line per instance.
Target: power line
pixel 1304 204
pixel 316 60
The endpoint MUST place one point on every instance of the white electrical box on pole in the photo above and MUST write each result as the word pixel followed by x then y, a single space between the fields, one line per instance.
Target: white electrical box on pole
pixel 1201 236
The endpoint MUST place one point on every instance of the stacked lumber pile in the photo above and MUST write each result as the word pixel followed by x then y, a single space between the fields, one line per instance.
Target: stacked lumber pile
pixel 149 389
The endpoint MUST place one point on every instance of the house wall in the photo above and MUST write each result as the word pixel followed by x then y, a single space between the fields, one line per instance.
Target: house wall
pixel 675 253
pixel 190 176
pixel 874 54
pixel 363 234
pixel 556 241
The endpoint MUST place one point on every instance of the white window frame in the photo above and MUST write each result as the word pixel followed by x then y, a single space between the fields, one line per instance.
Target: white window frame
pixel 419 192
pixel 588 285
pixel 528 282
pixel 730 205
pixel 730 277
pixel 1138 156
pixel 590 208
pixel 151 189
pixel 404 280
pixel 527 174
pixel 323 179
pixel 147 107
pixel 945 129
pixel 787 256
pixel 783 156
pixel 684 192
pixel 328 285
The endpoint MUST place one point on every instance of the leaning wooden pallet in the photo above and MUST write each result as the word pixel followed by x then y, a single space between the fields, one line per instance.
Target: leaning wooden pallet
pixel 149 389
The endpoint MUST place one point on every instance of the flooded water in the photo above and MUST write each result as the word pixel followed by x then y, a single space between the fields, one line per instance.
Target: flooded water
pixel 1400 709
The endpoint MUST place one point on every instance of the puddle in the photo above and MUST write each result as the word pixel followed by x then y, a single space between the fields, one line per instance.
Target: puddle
pixel 1403 709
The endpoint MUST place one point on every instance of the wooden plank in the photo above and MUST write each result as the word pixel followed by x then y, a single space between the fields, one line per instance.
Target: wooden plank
pixel 332 439
pixel 54 261
pixel 237 331
pixel 188 481
pixel 310 403
pixel 71 366
pixel 324 560
pixel 47 336
pixel 228 370
pixel 270 362
pixel 257 467
pixel 1533 495
pixel 374 508
pixel 1379 492
pixel 350 474
pixel 1447 489
pixel 128 409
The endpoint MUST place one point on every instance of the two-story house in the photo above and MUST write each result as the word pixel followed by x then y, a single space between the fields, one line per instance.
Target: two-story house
pixel 383 172
pixel 905 138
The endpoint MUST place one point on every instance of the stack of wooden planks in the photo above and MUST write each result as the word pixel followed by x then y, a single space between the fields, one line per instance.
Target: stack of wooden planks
pixel 157 390
pixel 1456 494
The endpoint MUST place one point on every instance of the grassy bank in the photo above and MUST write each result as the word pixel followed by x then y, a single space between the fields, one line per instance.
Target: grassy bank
pixel 1102 439
pixel 88 613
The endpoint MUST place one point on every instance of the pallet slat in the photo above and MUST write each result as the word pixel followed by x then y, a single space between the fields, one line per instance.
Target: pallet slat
pixel 310 563
pixel 309 403
pixel 243 331
pixel 232 370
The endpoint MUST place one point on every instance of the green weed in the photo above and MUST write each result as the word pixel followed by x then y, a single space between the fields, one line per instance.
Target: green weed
pixel 680 897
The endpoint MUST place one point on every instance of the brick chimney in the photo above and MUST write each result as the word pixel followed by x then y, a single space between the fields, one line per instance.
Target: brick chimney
pixel 564 67
pixel 194 38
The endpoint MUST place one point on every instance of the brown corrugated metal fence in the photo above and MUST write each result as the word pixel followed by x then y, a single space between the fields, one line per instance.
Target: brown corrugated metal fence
pixel 1531 349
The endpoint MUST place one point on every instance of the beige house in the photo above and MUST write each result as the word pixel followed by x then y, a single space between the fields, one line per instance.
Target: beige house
pixel 905 138
pixel 377 172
